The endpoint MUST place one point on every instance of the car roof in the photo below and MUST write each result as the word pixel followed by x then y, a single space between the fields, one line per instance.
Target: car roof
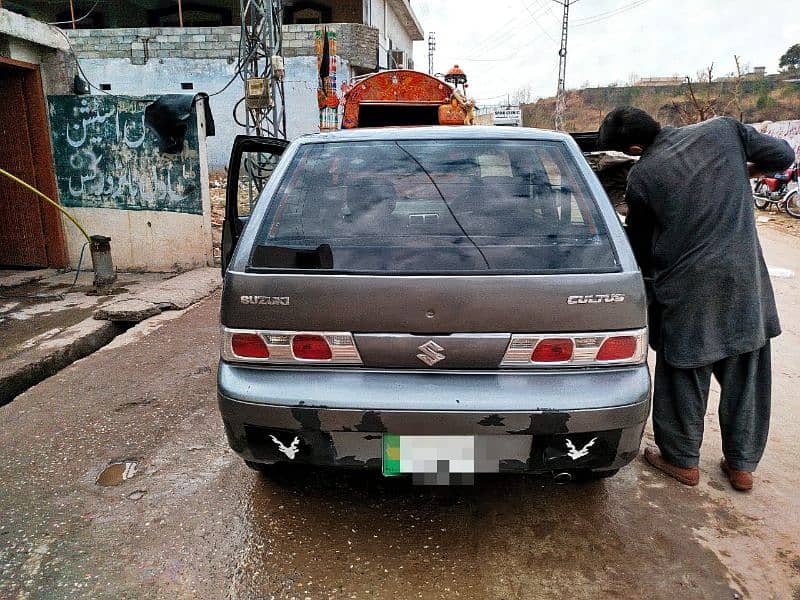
pixel 438 132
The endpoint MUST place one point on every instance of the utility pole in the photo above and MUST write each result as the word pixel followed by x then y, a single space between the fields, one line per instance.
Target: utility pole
pixel 561 97
pixel 262 69
pixel 431 49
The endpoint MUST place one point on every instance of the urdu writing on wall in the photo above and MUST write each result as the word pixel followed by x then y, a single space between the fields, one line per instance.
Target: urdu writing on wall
pixel 105 157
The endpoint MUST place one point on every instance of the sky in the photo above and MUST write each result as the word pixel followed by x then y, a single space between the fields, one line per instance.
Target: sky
pixel 508 45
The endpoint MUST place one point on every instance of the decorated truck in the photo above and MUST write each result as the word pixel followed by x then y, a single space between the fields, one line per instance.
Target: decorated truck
pixel 405 97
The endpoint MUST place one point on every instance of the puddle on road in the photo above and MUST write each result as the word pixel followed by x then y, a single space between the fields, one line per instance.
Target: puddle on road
pixel 116 473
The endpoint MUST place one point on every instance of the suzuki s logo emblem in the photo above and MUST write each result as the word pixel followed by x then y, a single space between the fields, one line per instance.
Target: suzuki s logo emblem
pixel 431 353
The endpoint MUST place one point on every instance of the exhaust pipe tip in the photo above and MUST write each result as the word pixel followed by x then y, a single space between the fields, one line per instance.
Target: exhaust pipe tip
pixel 562 478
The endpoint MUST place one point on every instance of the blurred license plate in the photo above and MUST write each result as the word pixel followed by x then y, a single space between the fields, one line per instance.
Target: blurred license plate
pixel 428 454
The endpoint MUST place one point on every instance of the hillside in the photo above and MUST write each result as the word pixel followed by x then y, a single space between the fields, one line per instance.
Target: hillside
pixel 769 98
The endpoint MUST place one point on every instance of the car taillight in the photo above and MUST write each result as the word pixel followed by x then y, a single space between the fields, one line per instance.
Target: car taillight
pixel 249 345
pixel 617 348
pixel 289 347
pixel 576 349
pixel 551 350
pixel 311 347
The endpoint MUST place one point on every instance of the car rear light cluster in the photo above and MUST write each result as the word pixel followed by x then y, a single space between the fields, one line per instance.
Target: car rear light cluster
pixel 289 347
pixel 577 349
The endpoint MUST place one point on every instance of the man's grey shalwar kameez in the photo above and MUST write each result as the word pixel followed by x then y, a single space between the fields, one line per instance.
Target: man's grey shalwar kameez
pixel 692 226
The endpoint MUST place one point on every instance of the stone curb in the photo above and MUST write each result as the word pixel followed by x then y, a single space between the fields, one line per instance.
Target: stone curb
pixel 48 358
pixel 176 293
pixel 22 372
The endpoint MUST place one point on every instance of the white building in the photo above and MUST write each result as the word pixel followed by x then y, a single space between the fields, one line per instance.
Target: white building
pixel 138 48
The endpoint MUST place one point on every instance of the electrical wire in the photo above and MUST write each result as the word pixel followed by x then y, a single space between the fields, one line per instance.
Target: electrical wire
pixel 78 64
pixel 47 199
pixel 548 11
pixel 508 36
pixel 91 10
pixel 240 66
pixel 608 14
pixel 502 34
pixel 535 20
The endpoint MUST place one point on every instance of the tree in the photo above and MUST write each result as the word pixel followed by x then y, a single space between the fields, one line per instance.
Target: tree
pixel 736 100
pixel 523 95
pixel 791 59
pixel 702 109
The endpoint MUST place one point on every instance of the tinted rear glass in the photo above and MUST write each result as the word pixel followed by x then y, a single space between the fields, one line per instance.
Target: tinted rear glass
pixel 438 206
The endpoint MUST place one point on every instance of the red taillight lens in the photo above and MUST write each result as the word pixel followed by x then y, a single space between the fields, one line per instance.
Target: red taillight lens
pixel 249 345
pixel 552 350
pixel 617 348
pixel 311 347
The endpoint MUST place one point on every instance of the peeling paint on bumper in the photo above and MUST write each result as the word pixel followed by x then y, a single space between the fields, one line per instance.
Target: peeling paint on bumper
pixel 340 416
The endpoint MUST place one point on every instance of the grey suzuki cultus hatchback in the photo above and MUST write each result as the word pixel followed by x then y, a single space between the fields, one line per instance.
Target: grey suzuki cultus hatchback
pixel 438 301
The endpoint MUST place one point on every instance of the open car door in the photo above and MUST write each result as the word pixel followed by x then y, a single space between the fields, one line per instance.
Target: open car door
pixel 253 159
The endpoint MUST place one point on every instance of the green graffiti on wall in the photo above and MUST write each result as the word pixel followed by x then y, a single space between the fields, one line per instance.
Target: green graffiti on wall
pixel 106 158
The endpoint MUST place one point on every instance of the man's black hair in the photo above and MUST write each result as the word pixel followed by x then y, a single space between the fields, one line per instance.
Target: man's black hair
pixel 627 126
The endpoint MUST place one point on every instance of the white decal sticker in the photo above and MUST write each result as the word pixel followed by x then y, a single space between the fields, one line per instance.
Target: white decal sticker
pixel 289 451
pixel 574 453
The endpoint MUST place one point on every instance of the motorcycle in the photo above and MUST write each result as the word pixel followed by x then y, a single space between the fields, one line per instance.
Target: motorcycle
pixel 779 191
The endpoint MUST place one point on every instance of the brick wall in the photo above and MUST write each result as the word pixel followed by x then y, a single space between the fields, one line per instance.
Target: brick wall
pixel 356 43
pixel 148 43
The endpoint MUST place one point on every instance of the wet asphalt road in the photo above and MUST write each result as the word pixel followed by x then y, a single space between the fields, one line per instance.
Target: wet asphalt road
pixel 194 522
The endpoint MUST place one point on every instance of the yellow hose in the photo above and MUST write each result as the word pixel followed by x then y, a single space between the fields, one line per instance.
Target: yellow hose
pixel 56 204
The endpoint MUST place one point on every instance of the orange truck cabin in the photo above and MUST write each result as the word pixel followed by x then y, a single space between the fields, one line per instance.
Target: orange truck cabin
pixel 404 97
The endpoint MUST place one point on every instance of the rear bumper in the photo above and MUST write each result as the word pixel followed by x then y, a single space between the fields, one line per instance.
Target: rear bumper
pixel 339 416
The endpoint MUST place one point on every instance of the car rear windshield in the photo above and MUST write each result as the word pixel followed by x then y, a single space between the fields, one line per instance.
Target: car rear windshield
pixel 433 206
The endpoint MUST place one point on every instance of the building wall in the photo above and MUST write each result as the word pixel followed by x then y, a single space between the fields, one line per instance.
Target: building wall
pixel 785 130
pixel 355 43
pixel 164 76
pixel 117 57
pixel 33 42
pixel 142 44
pixel 384 18
pixel 155 206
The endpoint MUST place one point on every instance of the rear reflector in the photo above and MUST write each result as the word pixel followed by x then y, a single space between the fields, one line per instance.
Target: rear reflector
pixel 617 348
pixel 249 345
pixel 311 347
pixel 551 350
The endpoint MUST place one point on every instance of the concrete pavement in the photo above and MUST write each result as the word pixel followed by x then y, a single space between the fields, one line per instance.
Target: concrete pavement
pixel 49 320
pixel 191 521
